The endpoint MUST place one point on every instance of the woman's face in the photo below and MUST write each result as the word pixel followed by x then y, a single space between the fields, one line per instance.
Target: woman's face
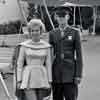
pixel 35 33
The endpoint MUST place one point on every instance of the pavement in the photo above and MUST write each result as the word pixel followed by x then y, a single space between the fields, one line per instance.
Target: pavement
pixel 89 89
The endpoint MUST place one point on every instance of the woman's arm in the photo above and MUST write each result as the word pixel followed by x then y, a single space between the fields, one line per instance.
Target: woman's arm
pixel 49 65
pixel 20 63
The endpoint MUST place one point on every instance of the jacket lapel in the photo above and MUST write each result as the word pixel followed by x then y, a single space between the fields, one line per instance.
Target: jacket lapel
pixel 67 31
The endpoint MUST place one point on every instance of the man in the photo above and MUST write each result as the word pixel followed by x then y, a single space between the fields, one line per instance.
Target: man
pixel 67 64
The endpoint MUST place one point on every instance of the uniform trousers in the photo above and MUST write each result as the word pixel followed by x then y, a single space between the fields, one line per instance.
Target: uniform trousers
pixel 69 91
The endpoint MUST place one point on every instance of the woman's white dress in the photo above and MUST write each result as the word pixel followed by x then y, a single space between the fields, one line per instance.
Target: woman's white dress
pixel 37 72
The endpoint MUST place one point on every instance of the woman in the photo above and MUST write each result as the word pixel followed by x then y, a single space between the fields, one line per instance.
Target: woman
pixel 35 76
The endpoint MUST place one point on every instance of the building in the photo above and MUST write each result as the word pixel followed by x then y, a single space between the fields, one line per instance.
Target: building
pixel 9 11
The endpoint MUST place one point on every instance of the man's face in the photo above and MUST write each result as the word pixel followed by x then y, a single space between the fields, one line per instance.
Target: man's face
pixel 62 20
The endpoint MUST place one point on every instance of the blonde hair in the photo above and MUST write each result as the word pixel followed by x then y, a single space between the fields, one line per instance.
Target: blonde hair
pixel 36 22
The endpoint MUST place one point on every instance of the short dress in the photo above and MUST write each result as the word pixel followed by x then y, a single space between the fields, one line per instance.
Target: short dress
pixel 37 71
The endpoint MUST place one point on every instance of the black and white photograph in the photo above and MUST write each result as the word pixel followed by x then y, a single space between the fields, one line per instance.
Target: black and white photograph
pixel 49 49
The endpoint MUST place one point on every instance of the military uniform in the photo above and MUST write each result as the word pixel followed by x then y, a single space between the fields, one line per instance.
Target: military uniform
pixel 67 64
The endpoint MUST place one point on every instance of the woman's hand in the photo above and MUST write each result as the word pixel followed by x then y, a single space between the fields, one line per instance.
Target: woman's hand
pixel 50 84
pixel 18 84
pixel 77 80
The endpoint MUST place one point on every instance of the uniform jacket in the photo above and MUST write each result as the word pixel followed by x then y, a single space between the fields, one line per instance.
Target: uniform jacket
pixel 67 64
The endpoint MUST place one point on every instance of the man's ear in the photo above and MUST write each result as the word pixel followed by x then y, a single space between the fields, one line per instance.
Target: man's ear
pixel 55 16
pixel 68 16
